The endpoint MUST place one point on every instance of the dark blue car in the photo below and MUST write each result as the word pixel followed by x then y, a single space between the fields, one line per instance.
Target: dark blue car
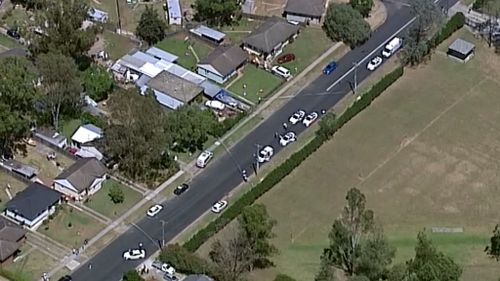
pixel 329 68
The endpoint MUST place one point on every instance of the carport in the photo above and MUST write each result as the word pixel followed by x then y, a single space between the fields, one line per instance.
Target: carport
pixel 461 50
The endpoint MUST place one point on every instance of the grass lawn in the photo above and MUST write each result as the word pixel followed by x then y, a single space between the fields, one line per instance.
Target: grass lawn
pixel 301 47
pixel 117 45
pixel 33 264
pixel 177 46
pixel 82 227
pixel 101 202
pixel 69 127
pixel 255 79
pixel 37 156
pixel 424 153
pixel 8 42
pixel 235 33
pixel 15 187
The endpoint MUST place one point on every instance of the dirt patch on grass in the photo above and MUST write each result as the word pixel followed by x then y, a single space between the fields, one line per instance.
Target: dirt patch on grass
pixel 37 157
pixel 269 7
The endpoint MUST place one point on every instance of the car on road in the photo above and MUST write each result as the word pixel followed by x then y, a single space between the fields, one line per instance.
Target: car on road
pixel 219 206
pixel 329 68
pixel 297 116
pixel 374 63
pixel 281 71
pixel 154 210
pixel 164 267
pixel 134 254
pixel 265 154
pixel 181 189
pixel 288 138
pixel 310 118
pixel 286 58
pixel 14 34
pixel 204 158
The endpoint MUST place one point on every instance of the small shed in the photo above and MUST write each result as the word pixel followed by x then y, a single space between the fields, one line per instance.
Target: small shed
pixel 461 50
pixel 208 33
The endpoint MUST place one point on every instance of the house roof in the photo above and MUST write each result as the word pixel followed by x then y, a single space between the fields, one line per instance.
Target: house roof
pixel 225 59
pixel 16 52
pixel 20 168
pixel 198 277
pixel 313 8
pixel 271 33
pixel 33 200
pixel 50 135
pixel 83 173
pixel 87 133
pixel 7 249
pixel 161 54
pixel 97 14
pixel 174 86
pixel 174 9
pixel 462 46
pixel 10 232
pixel 202 30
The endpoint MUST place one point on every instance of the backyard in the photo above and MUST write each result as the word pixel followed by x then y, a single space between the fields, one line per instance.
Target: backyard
pixel 33 264
pixel 69 127
pixel 117 45
pixel 433 163
pixel 236 32
pixel 37 157
pixel 101 202
pixel 15 187
pixel 186 50
pixel 254 83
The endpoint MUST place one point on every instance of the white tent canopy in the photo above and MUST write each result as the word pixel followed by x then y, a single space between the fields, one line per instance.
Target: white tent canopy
pixel 87 133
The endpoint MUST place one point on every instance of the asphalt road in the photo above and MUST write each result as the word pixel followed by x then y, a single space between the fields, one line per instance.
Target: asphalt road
pixel 222 175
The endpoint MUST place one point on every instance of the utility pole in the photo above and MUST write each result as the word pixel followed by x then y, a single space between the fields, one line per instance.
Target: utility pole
pixel 355 77
pixel 257 159
pixel 119 17
pixel 163 233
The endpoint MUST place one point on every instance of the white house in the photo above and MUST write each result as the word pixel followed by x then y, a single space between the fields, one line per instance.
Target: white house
pixel 305 11
pixel 33 205
pixel 86 133
pixel 81 179
pixel 223 63
pixel 174 13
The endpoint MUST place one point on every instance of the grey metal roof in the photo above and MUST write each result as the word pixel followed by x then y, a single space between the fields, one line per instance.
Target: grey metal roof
pixel 174 86
pixel 10 232
pixel 93 128
pixel 462 46
pixel 161 54
pixel 225 59
pixel 33 201
pixel 248 6
pixel 21 168
pixel 144 57
pixel 83 173
pixel 271 33
pixel 313 8
pixel 202 30
pixel 174 8
pixel 49 135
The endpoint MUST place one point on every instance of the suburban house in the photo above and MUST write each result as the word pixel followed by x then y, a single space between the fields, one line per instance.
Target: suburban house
pixel 208 33
pixel 11 238
pixel 174 13
pixel 172 91
pixel 33 205
pixel 85 134
pixel 83 178
pixel 305 11
pixel 96 15
pixel 269 39
pixel 51 137
pixel 223 63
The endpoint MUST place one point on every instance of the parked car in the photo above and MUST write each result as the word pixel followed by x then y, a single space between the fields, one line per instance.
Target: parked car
pixel 281 71
pixel 286 58
pixel 204 158
pixel 310 118
pixel 374 63
pixel 14 34
pixel 164 267
pixel 265 154
pixel 329 68
pixel 219 206
pixel 134 254
pixel 297 116
pixel 154 210
pixel 215 104
pixel 288 138
pixel 181 189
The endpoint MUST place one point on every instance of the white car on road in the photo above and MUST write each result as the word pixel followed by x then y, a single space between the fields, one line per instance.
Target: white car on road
pixel 374 63
pixel 219 206
pixel 154 210
pixel 134 254
pixel 310 118
pixel 288 138
pixel 265 154
pixel 297 117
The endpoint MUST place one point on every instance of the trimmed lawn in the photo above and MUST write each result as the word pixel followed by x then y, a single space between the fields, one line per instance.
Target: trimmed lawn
pixel 179 47
pixel 37 157
pixel 255 79
pixel 117 45
pixel 69 127
pixel 71 227
pixel 33 264
pixel 101 202
pixel 301 47
pixel 15 187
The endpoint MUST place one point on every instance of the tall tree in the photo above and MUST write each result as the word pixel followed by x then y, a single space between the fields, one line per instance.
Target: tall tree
pixel 357 244
pixel 344 23
pixel 132 275
pixel 13 128
pixel 97 82
pixel 364 7
pixel 151 27
pixel 493 250
pixel 256 226
pixel 217 12
pixel 232 257
pixel 61 25
pixel 60 84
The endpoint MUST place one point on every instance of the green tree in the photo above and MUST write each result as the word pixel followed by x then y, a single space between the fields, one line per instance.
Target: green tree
pixel 283 277
pixel 217 12
pixel 116 194
pixel 132 275
pixel 493 249
pixel 13 128
pixel 256 226
pixel 344 23
pixel 358 278
pixel 60 84
pixel 97 82
pixel 151 27
pixel 364 7
pixel 327 125
pixel 357 244
pixel 232 257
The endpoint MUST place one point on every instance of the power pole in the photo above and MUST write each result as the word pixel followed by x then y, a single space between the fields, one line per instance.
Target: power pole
pixel 257 159
pixel 163 233
pixel 119 17
pixel 355 77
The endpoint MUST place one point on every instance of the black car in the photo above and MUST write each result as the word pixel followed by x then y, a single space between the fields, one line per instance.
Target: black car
pixel 14 34
pixel 181 189
pixel 66 278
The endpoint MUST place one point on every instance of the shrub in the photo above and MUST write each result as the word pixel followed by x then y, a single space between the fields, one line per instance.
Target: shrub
pixel 455 23
pixel 283 277
pixel 184 261
pixel 86 118
pixel 220 128
pixel 116 194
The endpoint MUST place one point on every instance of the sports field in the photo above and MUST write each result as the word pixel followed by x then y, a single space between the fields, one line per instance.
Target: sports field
pixel 425 154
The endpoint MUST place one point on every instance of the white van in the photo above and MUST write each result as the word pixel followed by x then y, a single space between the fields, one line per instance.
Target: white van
pixel 281 71
pixel 204 158
pixel 392 47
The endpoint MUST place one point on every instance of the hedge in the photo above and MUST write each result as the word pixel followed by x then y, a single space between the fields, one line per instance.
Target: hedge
pixel 455 23
pixel 276 175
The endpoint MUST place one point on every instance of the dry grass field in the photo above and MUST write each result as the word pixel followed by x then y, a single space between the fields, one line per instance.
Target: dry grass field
pixel 425 154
